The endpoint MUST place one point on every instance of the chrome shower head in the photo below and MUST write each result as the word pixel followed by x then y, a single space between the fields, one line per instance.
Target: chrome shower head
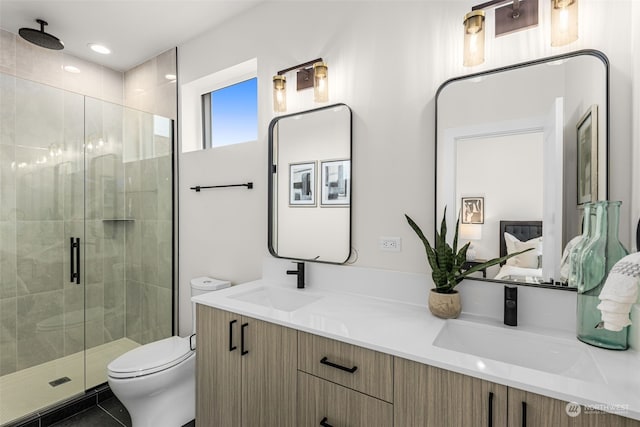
pixel 40 38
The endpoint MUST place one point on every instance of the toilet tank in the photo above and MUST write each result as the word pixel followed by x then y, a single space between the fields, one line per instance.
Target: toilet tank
pixel 203 285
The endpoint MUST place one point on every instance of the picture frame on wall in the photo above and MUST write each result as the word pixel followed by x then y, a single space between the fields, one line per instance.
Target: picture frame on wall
pixel 335 182
pixel 302 184
pixel 472 210
pixel 587 149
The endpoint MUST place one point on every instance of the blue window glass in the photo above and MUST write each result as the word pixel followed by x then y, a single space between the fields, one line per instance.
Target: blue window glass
pixel 234 113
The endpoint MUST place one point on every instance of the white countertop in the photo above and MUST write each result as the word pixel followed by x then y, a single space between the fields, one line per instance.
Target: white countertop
pixel 408 331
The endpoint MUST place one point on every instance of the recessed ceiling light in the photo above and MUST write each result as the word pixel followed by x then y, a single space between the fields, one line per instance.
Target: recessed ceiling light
pixel 170 76
pixel 71 69
pixel 99 48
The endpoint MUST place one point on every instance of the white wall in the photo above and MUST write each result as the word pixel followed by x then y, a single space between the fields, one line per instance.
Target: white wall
pixel 386 60
pixel 493 168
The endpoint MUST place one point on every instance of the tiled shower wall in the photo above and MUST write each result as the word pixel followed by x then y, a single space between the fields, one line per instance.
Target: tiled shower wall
pixel 39 208
pixel 150 87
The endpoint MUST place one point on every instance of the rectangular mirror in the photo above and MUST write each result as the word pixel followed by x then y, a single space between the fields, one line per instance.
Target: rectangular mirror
pixel 310 185
pixel 519 150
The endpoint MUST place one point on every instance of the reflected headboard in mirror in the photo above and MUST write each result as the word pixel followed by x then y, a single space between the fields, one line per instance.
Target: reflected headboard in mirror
pixel 530 140
pixel 309 205
pixel 521 230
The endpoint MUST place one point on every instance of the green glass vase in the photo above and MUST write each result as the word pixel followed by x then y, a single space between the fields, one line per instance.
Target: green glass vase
pixel 597 258
pixel 588 227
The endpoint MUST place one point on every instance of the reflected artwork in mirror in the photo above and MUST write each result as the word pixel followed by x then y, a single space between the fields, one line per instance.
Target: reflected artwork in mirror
pixel 310 185
pixel 531 141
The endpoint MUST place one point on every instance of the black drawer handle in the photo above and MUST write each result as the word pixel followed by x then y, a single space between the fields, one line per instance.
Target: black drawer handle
pixel 524 414
pixel 231 346
pixel 325 361
pixel 324 422
pixel 490 409
pixel 242 350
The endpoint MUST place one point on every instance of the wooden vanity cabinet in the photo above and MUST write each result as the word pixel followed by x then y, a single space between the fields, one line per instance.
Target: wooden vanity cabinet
pixel 245 371
pixel 425 396
pixel 531 409
pixel 428 396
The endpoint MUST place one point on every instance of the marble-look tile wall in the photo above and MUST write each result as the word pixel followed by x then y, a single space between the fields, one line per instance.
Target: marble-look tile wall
pixel 22 59
pixel 149 87
pixel 42 205
pixel 50 192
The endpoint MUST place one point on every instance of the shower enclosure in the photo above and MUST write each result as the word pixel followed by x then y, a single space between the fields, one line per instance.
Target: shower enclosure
pixel 86 240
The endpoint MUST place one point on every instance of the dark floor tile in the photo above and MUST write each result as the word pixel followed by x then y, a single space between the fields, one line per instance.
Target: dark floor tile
pixel 117 410
pixel 93 417
pixel 104 393
pixel 27 422
pixel 62 412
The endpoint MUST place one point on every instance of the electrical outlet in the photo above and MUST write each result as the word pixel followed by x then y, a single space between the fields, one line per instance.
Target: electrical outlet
pixel 390 244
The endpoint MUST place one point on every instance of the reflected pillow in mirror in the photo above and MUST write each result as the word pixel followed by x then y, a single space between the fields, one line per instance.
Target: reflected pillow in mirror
pixel 528 259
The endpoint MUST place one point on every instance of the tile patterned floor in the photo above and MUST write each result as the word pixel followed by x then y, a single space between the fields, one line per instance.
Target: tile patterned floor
pixel 110 413
pixel 28 390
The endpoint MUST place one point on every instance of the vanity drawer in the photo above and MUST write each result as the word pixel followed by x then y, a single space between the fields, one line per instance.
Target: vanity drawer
pixel 355 367
pixel 320 400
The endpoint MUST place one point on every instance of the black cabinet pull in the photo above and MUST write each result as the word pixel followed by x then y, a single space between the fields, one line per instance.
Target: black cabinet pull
pixel 490 409
pixel 231 346
pixel 242 350
pixel 324 422
pixel 325 361
pixel 524 414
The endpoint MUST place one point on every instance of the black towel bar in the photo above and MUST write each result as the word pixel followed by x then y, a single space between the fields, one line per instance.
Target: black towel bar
pixel 197 188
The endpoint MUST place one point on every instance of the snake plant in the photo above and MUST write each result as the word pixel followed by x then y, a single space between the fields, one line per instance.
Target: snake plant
pixel 446 262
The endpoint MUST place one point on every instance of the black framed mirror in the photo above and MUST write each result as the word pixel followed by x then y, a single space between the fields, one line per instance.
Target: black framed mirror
pixel 519 150
pixel 310 185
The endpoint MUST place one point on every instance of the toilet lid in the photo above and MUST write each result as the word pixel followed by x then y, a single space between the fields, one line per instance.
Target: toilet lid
pixel 150 358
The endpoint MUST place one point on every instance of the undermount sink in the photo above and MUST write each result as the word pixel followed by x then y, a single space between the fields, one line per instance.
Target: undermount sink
pixel 517 347
pixel 277 298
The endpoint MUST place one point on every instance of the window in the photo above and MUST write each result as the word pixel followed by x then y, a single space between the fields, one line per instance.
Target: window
pixel 230 114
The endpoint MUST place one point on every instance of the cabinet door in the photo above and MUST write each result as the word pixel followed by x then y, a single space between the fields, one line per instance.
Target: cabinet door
pixel 320 400
pixel 218 374
pixel 269 368
pixel 530 409
pixel 427 396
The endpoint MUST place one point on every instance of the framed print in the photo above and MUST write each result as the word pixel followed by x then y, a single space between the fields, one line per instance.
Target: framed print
pixel 336 185
pixel 302 184
pixel 472 210
pixel 587 140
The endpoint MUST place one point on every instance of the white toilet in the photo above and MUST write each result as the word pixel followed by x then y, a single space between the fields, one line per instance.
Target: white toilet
pixel 156 382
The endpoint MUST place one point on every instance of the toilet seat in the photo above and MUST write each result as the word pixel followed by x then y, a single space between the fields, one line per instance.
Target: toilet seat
pixel 151 358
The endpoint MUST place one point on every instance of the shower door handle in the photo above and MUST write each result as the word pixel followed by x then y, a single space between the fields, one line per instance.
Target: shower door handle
pixel 74 259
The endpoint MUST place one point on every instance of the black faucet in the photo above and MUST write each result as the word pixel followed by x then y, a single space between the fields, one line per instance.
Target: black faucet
pixel 300 273
pixel 511 305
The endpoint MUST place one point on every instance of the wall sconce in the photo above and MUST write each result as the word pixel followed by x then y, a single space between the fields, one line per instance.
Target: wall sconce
pixel 564 22
pixel 510 16
pixel 310 74
pixel 473 38
pixel 279 93
pixel 320 82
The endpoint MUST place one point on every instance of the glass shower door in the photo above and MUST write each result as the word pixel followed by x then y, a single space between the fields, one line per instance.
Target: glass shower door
pixel 42 296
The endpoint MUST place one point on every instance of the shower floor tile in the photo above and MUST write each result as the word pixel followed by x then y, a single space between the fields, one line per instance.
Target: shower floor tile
pixel 28 390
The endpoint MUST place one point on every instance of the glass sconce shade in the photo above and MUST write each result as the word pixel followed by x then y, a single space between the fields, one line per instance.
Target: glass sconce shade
pixel 564 22
pixel 320 82
pixel 473 38
pixel 279 94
